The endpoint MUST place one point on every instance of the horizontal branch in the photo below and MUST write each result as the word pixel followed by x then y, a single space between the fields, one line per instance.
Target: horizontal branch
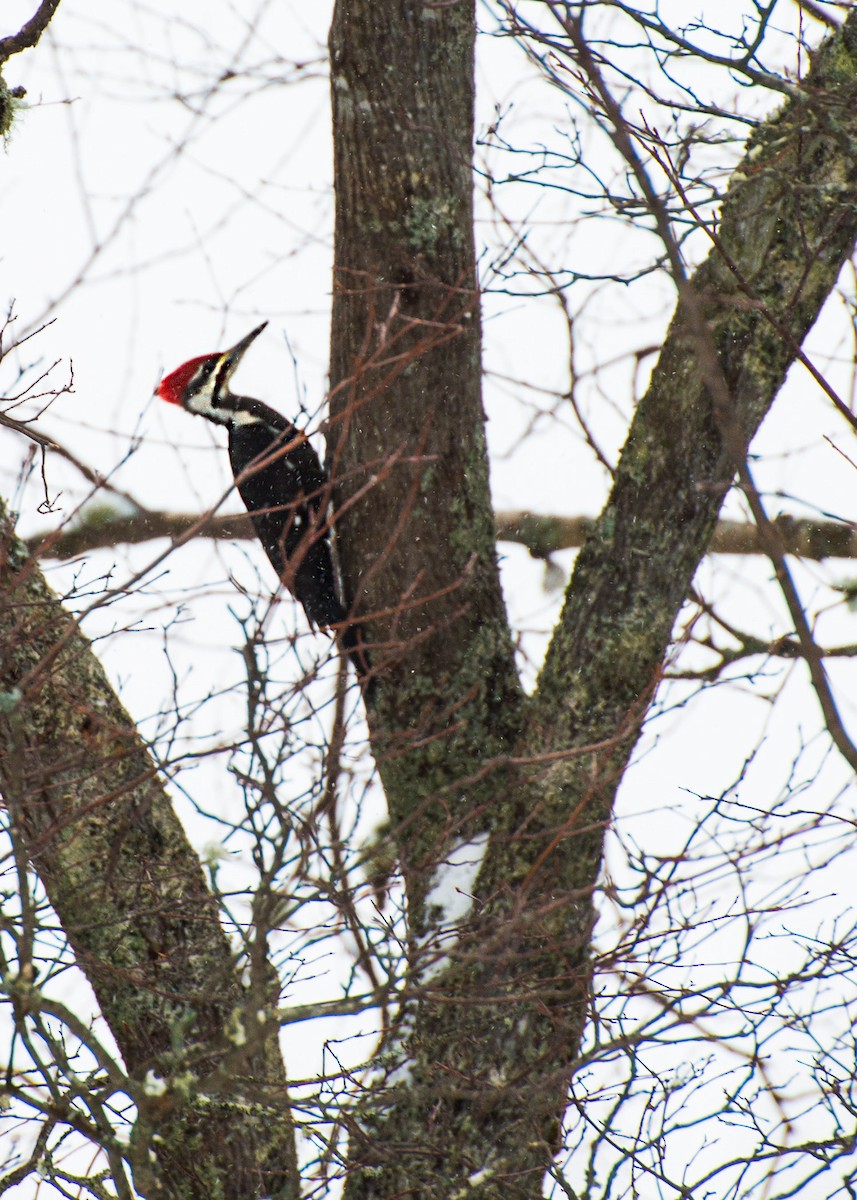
pixel 542 534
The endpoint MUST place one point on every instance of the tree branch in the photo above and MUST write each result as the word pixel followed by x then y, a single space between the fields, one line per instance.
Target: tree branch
pixel 30 32
pixel 541 533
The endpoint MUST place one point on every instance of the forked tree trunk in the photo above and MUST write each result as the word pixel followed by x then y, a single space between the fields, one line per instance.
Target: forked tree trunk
pixel 478 1073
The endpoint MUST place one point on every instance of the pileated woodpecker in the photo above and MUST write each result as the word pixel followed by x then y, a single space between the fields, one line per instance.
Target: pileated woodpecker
pixel 278 476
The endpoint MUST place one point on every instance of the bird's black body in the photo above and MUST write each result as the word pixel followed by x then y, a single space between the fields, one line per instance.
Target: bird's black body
pixel 280 479
pixel 285 491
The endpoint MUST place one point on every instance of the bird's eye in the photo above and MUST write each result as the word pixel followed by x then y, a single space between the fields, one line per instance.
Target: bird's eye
pixel 199 382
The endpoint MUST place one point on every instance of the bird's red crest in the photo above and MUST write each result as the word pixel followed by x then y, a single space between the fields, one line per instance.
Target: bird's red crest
pixel 172 386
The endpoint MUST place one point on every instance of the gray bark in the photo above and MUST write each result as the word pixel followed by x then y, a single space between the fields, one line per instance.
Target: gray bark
pixel 88 810
pixel 490 1042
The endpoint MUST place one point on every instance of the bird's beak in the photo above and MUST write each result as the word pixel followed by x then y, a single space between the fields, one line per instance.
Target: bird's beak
pixel 230 359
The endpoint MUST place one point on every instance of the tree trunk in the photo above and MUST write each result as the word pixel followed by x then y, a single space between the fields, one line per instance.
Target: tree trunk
pixel 407 422
pixel 477 1074
pixel 88 810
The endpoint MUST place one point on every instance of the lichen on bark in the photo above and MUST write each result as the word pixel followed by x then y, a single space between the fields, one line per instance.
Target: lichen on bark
pixel 543 774
pixel 88 809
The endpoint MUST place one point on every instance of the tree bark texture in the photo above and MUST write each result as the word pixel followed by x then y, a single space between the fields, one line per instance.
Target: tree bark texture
pixel 543 534
pixel 479 1070
pixel 407 423
pixel 91 814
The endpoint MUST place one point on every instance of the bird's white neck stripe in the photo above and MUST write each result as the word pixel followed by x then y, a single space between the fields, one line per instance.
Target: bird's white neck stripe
pixel 201 406
pixel 239 417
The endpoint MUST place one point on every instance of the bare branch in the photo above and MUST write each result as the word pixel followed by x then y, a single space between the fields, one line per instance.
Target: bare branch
pixel 543 534
pixel 97 480
pixel 30 32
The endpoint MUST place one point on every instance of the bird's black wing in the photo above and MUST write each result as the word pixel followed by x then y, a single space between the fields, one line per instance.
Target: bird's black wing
pixel 285 491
